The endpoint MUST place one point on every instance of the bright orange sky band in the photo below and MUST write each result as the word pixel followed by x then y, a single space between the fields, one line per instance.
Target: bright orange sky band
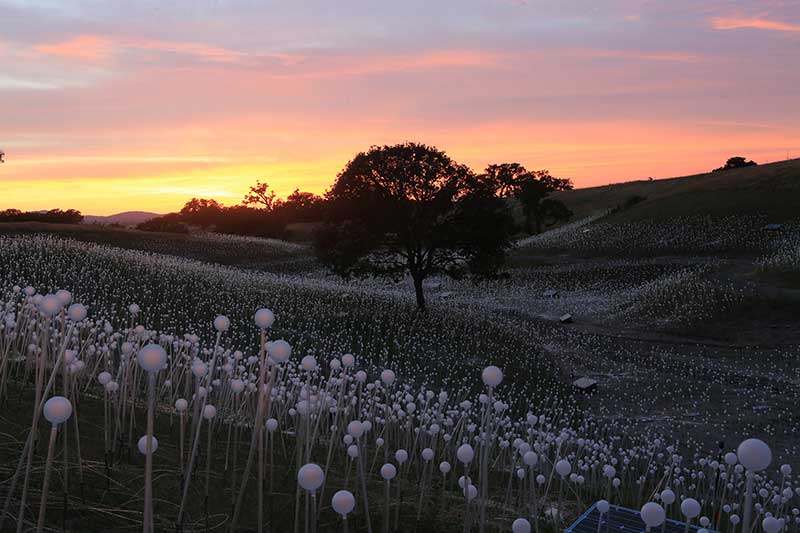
pixel 108 110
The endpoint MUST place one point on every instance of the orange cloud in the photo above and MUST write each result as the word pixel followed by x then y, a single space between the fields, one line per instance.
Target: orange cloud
pixel 83 47
pixel 723 23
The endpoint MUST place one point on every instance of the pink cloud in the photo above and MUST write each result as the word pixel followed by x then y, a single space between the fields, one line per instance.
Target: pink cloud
pixel 657 55
pixel 358 65
pixel 214 54
pixel 83 48
pixel 725 23
pixel 97 48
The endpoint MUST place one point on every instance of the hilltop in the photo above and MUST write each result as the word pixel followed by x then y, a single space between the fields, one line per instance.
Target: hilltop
pixel 128 218
pixel 772 189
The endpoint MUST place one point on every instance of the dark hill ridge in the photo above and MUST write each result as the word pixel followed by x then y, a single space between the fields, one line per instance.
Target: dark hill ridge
pixel 772 189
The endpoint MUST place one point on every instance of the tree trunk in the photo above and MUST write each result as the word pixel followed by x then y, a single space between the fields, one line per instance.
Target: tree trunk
pixel 418 289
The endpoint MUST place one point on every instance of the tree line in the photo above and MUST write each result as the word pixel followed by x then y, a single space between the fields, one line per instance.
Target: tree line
pixel 52 216
pixel 404 209
pixel 259 214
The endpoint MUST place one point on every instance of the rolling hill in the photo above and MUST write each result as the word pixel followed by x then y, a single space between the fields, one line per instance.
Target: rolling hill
pixel 772 189
pixel 128 218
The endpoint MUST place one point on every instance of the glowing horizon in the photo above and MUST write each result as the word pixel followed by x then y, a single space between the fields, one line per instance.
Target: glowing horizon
pixel 107 110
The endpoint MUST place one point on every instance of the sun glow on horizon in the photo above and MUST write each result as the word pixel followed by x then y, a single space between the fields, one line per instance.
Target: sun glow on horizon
pixel 103 115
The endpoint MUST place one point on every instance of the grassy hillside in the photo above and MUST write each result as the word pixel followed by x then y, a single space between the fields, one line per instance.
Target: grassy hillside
pixel 772 190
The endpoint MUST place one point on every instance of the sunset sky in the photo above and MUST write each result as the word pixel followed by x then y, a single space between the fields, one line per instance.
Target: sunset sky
pixel 117 106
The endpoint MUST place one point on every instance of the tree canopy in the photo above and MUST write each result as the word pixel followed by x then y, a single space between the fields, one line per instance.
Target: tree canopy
pixel 532 189
pixel 410 209
pixel 736 162
pixel 260 196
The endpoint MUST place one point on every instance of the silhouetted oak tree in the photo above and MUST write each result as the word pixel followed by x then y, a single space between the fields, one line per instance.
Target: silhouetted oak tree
pixel 736 162
pixel 532 189
pixel 409 208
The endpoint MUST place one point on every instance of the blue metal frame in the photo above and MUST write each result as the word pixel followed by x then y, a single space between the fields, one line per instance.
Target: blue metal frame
pixel 590 510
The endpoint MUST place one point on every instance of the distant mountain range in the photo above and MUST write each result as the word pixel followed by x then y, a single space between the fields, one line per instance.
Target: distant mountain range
pixel 128 218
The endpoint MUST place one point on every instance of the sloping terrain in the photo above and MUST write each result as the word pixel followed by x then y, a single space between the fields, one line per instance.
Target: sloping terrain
pixel 772 190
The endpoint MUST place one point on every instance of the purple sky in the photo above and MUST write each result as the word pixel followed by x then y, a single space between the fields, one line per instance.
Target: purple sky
pixel 108 106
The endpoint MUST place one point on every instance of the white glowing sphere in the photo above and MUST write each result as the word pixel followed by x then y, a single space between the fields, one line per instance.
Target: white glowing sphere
pixel 280 351
pixel 563 468
pixel 771 524
pixel 103 378
pixel 335 364
pixel 492 376
pixel 388 471
pixel 50 305
pixel 199 368
pixel 64 296
pixel 387 377
pixel 57 409
pixel 272 425
pixel 355 428
pixel 222 323
pixel 142 445
pixel 754 454
pixel 470 491
pixel 352 451
pixel 731 459
pixel 603 506
pixel 444 467
pixel 112 386
pixel 427 454
pixel 133 309
pixel 264 318
pixel 343 502
pixel 237 385
pixel 521 525
pixel 690 508
pixel 667 496
pixel 653 514
pixel 181 405
pixel 76 312
pixel 348 360
pixel 309 363
pixel 310 476
pixel 209 412
pixel 465 453
pixel 530 458
pixel 152 358
pixel 735 519
pixel 401 456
